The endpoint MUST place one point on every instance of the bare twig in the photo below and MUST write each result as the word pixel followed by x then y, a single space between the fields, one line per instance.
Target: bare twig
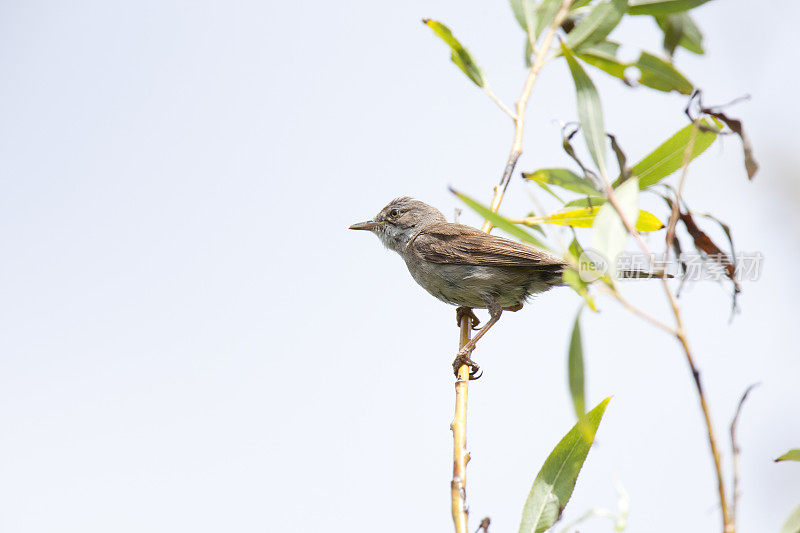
pixel 539 60
pixel 459 424
pixel 673 217
pixel 488 90
pixel 735 450
pixel 641 313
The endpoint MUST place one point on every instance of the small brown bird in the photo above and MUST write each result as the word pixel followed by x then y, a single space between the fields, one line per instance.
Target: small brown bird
pixel 464 266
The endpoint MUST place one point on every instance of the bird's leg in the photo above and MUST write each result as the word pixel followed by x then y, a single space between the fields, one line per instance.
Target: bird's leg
pixel 466 311
pixel 462 357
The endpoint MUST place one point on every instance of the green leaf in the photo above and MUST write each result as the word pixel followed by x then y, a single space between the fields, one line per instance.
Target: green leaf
pixel 534 18
pixel 545 14
pixel 680 30
pixel 791 455
pixel 577 387
pixel 654 72
pixel 555 482
pixel 608 232
pixel 460 56
pixel 577 4
pixel 661 75
pixel 792 524
pixel 518 7
pixel 590 112
pixel 668 157
pixel 500 222
pixel 589 201
pixel 563 178
pixel 572 278
pixel 662 7
pixel 603 55
pixel 596 26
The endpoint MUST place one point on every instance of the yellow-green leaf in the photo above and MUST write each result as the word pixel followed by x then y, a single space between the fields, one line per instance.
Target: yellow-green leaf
pixel 791 455
pixel 584 218
pixel 563 178
pixel 460 56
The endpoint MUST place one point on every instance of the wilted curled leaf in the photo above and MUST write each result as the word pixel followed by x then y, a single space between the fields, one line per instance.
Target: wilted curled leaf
pixel 704 244
pixel 736 127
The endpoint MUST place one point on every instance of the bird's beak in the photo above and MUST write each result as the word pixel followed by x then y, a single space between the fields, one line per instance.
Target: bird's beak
pixel 369 225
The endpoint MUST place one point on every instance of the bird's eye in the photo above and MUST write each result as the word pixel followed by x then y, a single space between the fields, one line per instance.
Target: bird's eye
pixel 394 213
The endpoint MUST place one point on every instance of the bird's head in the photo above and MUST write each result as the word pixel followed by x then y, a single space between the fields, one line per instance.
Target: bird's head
pixel 400 220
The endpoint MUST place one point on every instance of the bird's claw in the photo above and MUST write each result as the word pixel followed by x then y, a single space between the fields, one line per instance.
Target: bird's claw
pixel 462 359
pixel 461 312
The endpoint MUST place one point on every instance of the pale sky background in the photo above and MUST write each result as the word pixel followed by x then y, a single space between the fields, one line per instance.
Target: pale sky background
pixel 192 340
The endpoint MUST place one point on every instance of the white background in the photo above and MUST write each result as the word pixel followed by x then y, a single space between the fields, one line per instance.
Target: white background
pixel 191 340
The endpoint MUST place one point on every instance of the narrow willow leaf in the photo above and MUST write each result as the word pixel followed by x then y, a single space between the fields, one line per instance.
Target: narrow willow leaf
pixel 590 112
pixel 672 27
pixel 577 4
pixel 662 7
pixel 661 75
pixel 605 62
pixel 528 53
pixel 518 8
pixel 608 232
pixel 792 524
pixel 563 178
pixel 572 278
pixel 680 30
pixel 500 222
pixel 603 48
pixel 692 36
pixel 589 201
pixel 654 72
pixel 596 26
pixel 577 387
pixel 668 157
pixel 584 218
pixel 791 455
pixel 460 56
pixel 555 482
pixel 545 14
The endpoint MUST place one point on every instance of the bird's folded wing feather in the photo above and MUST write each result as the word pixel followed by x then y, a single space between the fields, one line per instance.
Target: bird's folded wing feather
pixel 448 243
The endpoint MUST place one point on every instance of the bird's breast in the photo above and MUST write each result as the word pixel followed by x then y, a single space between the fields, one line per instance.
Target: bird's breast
pixel 469 285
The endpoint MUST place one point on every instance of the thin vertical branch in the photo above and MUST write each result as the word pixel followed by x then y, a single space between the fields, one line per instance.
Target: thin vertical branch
pixel 539 61
pixel 459 425
pixel 680 332
pixel 458 485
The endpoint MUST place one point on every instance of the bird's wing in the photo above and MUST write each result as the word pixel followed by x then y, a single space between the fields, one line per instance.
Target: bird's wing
pixel 448 243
